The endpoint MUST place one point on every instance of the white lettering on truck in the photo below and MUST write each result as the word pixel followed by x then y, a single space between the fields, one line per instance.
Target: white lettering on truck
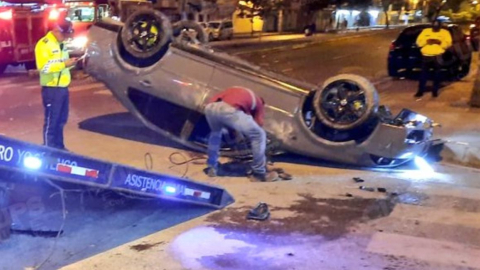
pixel 6 153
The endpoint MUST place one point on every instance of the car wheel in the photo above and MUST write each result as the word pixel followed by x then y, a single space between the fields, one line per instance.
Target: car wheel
pixel 181 32
pixel 210 37
pixel 31 65
pixel 346 102
pixel 145 33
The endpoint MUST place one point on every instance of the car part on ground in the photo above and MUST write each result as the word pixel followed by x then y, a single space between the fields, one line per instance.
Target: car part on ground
pixel 259 212
pixel 180 77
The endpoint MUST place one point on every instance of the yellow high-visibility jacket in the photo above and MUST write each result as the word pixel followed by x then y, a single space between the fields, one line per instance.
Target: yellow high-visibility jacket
pixel 443 37
pixel 50 62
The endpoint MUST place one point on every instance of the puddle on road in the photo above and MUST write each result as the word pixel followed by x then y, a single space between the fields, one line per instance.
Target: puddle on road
pixel 329 218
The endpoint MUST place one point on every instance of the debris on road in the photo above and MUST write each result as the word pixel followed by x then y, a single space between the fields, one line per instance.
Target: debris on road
pixel 366 188
pixel 384 190
pixel 358 180
pixel 260 212
pixel 281 172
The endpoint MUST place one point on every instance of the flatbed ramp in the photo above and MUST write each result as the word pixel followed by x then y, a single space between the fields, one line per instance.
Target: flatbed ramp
pixel 50 163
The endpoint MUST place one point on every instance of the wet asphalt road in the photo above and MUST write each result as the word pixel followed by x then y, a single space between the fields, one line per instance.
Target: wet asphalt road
pixel 366 56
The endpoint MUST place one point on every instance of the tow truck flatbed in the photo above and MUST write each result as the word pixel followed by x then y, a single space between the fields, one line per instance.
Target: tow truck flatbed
pixel 58 165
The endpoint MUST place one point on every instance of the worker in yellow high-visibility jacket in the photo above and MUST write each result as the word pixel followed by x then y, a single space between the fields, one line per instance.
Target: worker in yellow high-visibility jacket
pixel 433 41
pixel 54 64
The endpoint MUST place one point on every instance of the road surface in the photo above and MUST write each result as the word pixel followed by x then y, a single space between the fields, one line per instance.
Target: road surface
pixel 424 221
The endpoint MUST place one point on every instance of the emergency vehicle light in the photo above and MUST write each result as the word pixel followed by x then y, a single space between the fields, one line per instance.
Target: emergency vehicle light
pixel 170 189
pixel 53 15
pixel 32 163
pixel 6 15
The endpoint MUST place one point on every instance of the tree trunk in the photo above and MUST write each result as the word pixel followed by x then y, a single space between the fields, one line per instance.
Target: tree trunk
pixel 475 98
pixel 387 22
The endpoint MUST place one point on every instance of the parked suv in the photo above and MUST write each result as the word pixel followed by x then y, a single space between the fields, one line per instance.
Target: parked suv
pixel 220 30
pixel 405 57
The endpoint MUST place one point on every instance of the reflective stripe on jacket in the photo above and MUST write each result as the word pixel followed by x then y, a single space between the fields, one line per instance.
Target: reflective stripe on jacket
pixel 50 62
pixel 442 37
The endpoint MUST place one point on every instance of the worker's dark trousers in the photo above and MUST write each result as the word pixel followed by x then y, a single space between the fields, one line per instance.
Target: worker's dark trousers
pixel 430 63
pixel 55 104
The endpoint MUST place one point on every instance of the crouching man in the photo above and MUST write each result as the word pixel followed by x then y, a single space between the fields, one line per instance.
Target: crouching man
pixel 239 109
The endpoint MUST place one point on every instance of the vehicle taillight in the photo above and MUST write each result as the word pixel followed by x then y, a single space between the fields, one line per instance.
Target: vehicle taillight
pixel 392 46
pixel 6 15
pixel 53 15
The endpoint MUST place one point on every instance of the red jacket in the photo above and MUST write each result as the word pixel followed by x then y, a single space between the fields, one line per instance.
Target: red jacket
pixel 241 99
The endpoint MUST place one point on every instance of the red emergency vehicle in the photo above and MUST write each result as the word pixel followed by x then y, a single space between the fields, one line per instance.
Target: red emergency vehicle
pixel 83 14
pixel 22 24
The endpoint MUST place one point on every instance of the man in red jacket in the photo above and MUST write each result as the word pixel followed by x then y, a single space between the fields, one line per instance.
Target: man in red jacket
pixel 240 109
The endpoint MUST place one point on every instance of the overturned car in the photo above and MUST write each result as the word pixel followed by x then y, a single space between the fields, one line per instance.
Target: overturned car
pixel 164 76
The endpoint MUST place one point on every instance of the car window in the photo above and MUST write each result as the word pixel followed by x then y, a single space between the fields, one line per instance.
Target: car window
pixel 409 36
pixel 81 14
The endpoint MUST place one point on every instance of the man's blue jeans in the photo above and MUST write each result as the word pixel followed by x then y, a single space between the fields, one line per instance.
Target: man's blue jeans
pixel 221 115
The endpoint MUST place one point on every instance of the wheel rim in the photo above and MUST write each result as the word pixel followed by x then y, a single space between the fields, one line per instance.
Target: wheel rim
pixel 144 32
pixel 343 102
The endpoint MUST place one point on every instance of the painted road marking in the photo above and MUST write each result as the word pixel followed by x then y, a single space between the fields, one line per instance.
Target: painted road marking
pixel 435 251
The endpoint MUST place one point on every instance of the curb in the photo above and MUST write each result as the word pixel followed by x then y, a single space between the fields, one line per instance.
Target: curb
pixel 462 154
pixel 296 43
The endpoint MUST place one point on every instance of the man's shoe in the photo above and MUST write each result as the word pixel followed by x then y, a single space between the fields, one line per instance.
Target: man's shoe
pixel 266 177
pixel 211 172
pixel 271 168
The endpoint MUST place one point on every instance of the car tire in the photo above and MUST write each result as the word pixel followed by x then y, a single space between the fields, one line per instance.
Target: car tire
pixel 30 65
pixel 181 25
pixel 358 101
pixel 210 38
pixel 134 29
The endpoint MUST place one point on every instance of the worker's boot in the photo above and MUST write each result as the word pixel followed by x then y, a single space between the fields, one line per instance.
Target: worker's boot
pixel 211 172
pixel 264 177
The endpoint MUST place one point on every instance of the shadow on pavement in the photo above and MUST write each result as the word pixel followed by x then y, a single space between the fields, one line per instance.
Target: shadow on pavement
pixel 96 221
pixel 126 126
